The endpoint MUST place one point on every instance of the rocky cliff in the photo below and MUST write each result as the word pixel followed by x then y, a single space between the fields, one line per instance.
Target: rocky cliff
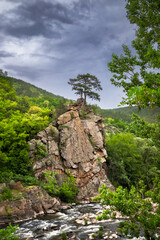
pixel 76 145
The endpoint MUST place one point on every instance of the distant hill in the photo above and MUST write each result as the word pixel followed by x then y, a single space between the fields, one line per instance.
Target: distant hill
pixel 125 113
pixel 26 89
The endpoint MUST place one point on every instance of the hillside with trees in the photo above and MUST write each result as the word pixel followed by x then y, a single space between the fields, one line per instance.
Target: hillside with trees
pixel 125 113
pixel 131 137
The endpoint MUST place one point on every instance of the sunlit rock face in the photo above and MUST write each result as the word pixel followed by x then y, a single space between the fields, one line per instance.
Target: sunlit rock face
pixel 76 145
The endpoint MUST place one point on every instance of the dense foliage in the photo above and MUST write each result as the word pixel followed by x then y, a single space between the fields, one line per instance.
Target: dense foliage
pixel 132 158
pixel 135 157
pixel 139 207
pixel 138 73
pixel 65 188
pixel 8 233
pixel 20 119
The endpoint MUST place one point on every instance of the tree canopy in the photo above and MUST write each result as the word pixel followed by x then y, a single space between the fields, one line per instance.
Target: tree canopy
pixel 138 73
pixel 84 85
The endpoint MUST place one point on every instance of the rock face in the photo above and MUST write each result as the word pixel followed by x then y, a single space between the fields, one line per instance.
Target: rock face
pixel 34 203
pixel 74 145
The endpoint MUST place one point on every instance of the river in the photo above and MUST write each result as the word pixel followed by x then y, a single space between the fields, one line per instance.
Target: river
pixel 63 225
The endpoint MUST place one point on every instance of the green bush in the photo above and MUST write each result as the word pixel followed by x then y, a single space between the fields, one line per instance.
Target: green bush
pixel 26 180
pixel 6 176
pixel 64 236
pixel 51 184
pixel 66 190
pixel 40 150
pixel 140 208
pixel 6 194
pixel 8 233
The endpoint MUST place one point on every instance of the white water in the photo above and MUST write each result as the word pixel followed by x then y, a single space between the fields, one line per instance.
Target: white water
pixel 50 227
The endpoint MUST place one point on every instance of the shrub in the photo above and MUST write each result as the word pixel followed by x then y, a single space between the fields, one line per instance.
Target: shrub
pixel 8 233
pixel 50 184
pixel 6 176
pixel 27 180
pixel 141 207
pixel 64 235
pixel 66 190
pixel 40 150
pixel 6 194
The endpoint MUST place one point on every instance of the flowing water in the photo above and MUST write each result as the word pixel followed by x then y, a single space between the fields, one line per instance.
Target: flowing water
pixel 53 226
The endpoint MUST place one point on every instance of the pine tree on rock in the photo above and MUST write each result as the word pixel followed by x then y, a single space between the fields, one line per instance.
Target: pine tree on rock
pixel 84 86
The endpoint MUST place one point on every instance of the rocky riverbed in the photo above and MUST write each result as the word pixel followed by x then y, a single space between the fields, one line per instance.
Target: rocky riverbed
pixel 79 223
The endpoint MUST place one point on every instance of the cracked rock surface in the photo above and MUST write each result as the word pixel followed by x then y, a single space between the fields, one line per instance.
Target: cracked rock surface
pixel 77 146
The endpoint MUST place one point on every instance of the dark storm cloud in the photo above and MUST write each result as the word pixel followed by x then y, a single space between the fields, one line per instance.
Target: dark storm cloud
pixel 25 72
pixel 54 40
pixel 33 18
pixel 5 54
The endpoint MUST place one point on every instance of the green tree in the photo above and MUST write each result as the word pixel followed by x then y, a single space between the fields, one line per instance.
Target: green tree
pixel 84 85
pixel 139 207
pixel 124 160
pixel 138 73
pixel 3 73
pixel 142 128
pixel 132 158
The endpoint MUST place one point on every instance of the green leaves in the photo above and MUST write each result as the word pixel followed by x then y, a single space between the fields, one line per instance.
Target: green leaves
pixel 66 188
pixel 8 233
pixel 132 158
pixel 139 74
pixel 141 212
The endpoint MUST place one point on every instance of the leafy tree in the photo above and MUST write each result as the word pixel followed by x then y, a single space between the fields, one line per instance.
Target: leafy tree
pixel 142 128
pixel 131 158
pixel 124 160
pixel 141 207
pixel 138 73
pixel 3 73
pixel 84 85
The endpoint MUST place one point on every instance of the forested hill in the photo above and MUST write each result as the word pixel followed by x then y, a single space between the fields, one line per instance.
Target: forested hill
pixel 125 113
pixel 26 89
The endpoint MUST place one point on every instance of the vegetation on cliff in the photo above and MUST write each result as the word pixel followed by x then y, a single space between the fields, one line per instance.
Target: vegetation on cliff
pixel 20 119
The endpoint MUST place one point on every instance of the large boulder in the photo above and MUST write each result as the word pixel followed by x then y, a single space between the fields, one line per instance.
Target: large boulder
pixel 34 203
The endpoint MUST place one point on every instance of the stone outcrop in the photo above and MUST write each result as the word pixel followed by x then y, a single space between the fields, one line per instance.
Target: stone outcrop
pixel 76 145
pixel 34 203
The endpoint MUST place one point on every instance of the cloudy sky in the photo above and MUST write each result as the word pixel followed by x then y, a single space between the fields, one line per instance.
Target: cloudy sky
pixel 47 42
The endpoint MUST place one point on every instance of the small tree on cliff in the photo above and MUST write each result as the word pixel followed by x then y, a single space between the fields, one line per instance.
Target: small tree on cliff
pixel 84 85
